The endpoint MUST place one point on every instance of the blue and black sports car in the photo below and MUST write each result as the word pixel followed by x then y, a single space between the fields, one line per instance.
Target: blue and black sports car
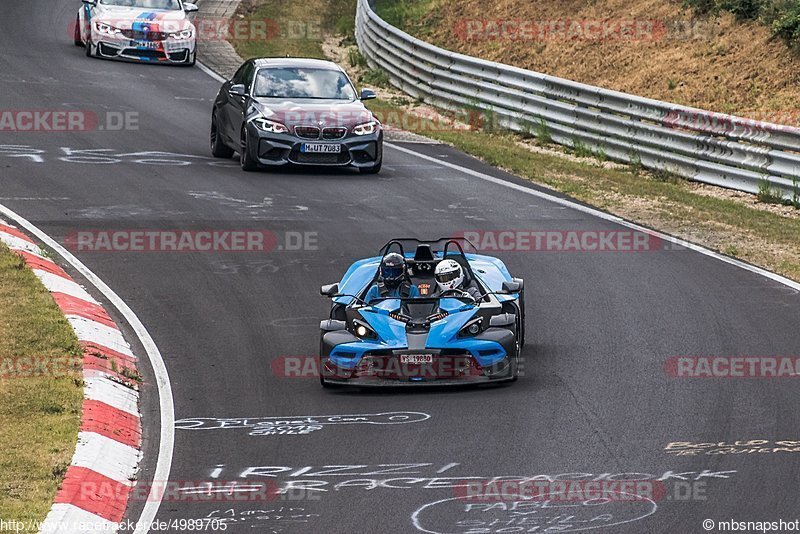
pixel 431 338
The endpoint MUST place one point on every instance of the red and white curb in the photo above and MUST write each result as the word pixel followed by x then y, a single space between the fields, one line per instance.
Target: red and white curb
pixel 95 490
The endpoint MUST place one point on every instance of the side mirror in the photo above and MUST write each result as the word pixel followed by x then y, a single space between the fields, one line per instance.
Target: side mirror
pixel 238 90
pixel 368 94
pixel 513 286
pixel 504 319
pixel 332 325
pixel 329 290
pixel 189 7
pixel 90 2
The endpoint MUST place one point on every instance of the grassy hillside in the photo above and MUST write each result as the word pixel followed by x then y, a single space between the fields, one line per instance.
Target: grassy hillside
pixel 717 55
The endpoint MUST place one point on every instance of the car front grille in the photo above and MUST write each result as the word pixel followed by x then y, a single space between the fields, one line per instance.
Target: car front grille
pixel 144 36
pixel 306 132
pixel 153 54
pixel 334 133
pixel 322 159
pixel 444 367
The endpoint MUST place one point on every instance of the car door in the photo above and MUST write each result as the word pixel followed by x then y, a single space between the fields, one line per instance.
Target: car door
pixel 235 106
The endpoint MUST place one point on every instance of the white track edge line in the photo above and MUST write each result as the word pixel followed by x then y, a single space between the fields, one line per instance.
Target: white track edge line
pixel 605 216
pixel 210 72
pixel 166 403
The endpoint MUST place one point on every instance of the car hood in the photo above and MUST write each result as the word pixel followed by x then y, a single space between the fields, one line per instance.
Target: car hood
pixel 441 333
pixel 155 20
pixel 310 112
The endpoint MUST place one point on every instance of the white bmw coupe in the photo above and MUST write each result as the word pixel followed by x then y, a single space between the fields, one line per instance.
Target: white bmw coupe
pixel 156 31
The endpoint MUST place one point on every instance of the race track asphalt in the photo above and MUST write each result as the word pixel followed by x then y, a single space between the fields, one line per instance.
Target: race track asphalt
pixel 595 401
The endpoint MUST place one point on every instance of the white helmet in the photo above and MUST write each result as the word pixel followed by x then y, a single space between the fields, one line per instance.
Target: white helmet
pixel 449 275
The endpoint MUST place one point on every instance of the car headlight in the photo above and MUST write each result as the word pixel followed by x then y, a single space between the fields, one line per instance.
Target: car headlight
pixel 472 328
pixel 266 125
pixel 366 128
pixel 362 330
pixel 107 29
pixel 183 34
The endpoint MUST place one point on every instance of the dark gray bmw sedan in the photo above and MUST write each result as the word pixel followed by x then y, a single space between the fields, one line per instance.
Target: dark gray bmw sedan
pixel 286 111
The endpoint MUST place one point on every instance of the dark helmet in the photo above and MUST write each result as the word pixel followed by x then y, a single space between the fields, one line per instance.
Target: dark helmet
pixel 393 269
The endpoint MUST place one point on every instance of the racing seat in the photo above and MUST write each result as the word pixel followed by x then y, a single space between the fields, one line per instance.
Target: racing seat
pixel 421 269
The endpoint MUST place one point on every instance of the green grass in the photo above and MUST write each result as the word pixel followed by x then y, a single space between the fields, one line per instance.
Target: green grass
pixel 39 416
pixel 404 13
pixel 301 24
pixel 782 16
pixel 767 194
pixel 375 77
pixel 543 132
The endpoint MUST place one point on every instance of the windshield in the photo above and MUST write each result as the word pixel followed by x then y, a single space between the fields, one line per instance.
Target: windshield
pixel 286 82
pixel 144 4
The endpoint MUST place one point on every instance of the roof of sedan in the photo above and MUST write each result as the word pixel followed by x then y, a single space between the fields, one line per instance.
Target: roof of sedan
pixel 295 62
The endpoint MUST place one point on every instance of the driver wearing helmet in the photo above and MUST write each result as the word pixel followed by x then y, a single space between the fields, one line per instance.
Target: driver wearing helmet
pixel 450 278
pixel 393 280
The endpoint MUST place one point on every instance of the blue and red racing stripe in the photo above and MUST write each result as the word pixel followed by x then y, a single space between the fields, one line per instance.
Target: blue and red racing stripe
pixel 143 23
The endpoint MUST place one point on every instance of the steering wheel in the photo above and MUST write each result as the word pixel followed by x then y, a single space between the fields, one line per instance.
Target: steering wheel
pixel 458 294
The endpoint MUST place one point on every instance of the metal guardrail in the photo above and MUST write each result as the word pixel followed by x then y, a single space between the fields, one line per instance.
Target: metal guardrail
pixel 707 147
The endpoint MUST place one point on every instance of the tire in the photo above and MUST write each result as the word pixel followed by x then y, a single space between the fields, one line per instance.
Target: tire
pixel 375 169
pixel 89 52
pixel 246 161
pixel 77 35
pixel 218 148
pixel 518 355
pixel 522 315
pixel 192 60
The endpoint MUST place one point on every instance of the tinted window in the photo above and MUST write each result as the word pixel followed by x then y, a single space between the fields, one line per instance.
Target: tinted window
pixel 285 82
pixel 244 75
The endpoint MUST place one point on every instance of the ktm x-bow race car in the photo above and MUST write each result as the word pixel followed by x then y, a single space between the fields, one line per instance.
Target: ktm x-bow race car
pixel 432 338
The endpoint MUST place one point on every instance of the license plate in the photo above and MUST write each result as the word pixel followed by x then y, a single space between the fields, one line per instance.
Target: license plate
pixel 321 148
pixel 416 358
pixel 150 45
